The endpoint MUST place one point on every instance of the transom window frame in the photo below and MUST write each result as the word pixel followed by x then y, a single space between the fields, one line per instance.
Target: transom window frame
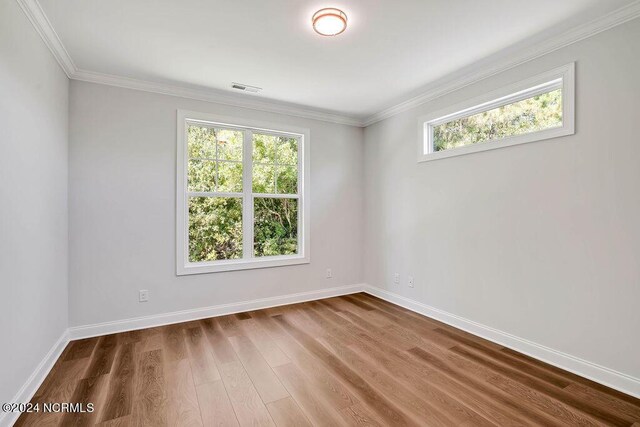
pixel 248 126
pixel 559 78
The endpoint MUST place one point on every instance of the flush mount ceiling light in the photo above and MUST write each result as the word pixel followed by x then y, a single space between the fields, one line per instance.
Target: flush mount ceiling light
pixel 329 21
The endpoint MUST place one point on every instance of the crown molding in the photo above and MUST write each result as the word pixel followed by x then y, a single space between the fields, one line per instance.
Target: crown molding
pixel 477 72
pixel 43 26
pixel 481 72
pixel 217 96
pixel 41 23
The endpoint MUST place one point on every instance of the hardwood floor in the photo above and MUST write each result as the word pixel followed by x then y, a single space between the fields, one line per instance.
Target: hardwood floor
pixel 352 360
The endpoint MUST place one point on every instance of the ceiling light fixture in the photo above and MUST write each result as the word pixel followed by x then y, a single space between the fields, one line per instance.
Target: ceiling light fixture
pixel 329 21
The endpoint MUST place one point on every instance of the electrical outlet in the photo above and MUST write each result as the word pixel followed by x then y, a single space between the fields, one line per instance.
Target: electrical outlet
pixel 410 282
pixel 396 279
pixel 329 274
pixel 143 295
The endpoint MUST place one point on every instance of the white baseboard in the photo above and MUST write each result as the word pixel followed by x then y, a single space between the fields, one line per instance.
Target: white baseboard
pixel 87 331
pixel 30 387
pixel 616 380
pixel 37 377
pixel 600 374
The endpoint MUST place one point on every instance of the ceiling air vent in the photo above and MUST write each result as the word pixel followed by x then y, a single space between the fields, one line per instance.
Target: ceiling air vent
pixel 246 88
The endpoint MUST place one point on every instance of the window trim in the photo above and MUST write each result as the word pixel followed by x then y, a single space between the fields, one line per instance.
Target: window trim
pixel 183 265
pixel 561 77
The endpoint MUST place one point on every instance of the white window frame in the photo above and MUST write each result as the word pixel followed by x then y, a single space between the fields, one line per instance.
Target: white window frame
pixel 559 78
pixel 247 126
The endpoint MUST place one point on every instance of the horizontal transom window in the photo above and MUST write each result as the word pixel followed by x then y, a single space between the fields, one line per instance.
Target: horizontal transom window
pixel 241 195
pixel 533 110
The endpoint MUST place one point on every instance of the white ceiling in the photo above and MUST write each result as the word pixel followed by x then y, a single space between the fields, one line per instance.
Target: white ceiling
pixel 391 49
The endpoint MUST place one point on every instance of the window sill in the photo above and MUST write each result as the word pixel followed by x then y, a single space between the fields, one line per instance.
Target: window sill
pixel 502 143
pixel 240 264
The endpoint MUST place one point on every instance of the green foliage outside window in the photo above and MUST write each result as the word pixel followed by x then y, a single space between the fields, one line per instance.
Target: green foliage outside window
pixel 275 164
pixel 215 166
pixel 215 228
pixel 215 159
pixel 275 226
pixel 530 115
pixel 275 171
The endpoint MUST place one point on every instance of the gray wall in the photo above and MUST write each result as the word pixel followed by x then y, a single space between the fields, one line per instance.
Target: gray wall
pixel 122 209
pixel 33 190
pixel 540 240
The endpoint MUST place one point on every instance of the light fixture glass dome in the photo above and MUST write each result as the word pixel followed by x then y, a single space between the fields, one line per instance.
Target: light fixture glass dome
pixel 329 21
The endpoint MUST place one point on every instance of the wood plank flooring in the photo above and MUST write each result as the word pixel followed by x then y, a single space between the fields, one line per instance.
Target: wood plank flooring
pixel 352 360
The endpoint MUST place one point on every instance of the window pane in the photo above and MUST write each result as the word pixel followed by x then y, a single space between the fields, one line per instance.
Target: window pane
pixel 202 175
pixel 264 148
pixel 230 145
pixel 229 177
pixel 287 180
pixel 287 151
pixel 275 227
pixel 530 115
pixel 215 228
pixel 201 142
pixel 264 179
